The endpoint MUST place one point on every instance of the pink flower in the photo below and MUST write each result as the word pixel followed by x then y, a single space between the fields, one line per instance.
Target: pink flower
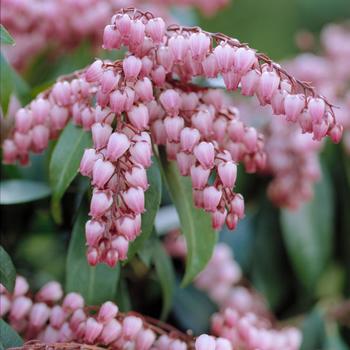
pixel 205 154
pixel 228 173
pixel 211 198
pixel 131 67
pixel 102 173
pixel 205 342
pixel 118 144
pixel 100 203
pixel 135 199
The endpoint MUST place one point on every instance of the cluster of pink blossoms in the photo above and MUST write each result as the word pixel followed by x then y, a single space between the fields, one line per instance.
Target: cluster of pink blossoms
pixel 330 72
pixel 34 24
pixel 51 318
pixel 148 98
pixel 243 317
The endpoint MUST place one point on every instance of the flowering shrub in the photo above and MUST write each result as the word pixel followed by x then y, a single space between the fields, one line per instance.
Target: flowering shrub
pixel 149 121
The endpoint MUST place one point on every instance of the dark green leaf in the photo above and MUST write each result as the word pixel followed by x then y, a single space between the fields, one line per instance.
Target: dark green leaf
pixel 11 83
pixel 7 270
pixel 270 271
pixel 65 162
pixel 95 284
pixel 193 309
pixel 123 297
pixel 152 202
pixel 5 37
pixel 22 191
pixel 195 223
pixel 313 331
pixel 8 336
pixel 308 234
pixel 165 272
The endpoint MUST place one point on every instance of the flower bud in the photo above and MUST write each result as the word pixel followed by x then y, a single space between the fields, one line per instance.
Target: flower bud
pixel 170 100
pixel 228 173
pixel 141 154
pixel 39 314
pixel 199 45
pixel 155 28
pixel 134 198
pixel 100 134
pixel 93 232
pixel 139 117
pixel 137 177
pixel 93 330
pixel 40 110
pixel 111 332
pixel 205 154
pixel 94 72
pixel 107 312
pixel 100 203
pixel 24 120
pixel 224 55
pixel 111 38
pixel 131 67
pixel 211 198
pixel 51 291
pixel 205 342
pixel 72 302
pixel 173 127
pixel 102 172
pixel 131 326
pixel 118 144
pixel 88 161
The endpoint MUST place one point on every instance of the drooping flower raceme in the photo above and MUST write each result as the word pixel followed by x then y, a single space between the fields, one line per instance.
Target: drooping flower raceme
pixel 243 318
pixel 147 98
pixel 52 317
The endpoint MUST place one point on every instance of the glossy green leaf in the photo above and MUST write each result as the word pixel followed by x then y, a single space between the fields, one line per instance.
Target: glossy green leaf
pixel 22 191
pixel 166 276
pixel 7 270
pixel 195 223
pixel 5 37
pixel 65 162
pixel 95 284
pixel 308 234
pixel 313 331
pixel 152 202
pixel 8 336
pixel 192 309
pixel 11 83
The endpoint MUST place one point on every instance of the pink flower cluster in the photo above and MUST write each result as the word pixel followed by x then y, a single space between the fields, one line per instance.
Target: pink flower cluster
pixel 148 98
pixel 243 318
pixel 50 319
pixel 46 116
pixel 34 24
pixel 330 72
pixel 189 52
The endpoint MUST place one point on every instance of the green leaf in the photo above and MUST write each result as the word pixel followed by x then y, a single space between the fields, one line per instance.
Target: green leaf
pixel 308 234
pixel 8 336
pixel 195 223
pixel 152 202
pixel 271 274
pixel 7 270
pixel 5 37
pixel 65 162
pixel 313 329
pixel 11 83
pixel 166 275
pixel 22 191
pixel 95 284
pixel 123 298
pixel 193 309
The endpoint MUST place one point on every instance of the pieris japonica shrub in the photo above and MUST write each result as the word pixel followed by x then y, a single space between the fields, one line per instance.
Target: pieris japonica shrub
pixel 149 156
